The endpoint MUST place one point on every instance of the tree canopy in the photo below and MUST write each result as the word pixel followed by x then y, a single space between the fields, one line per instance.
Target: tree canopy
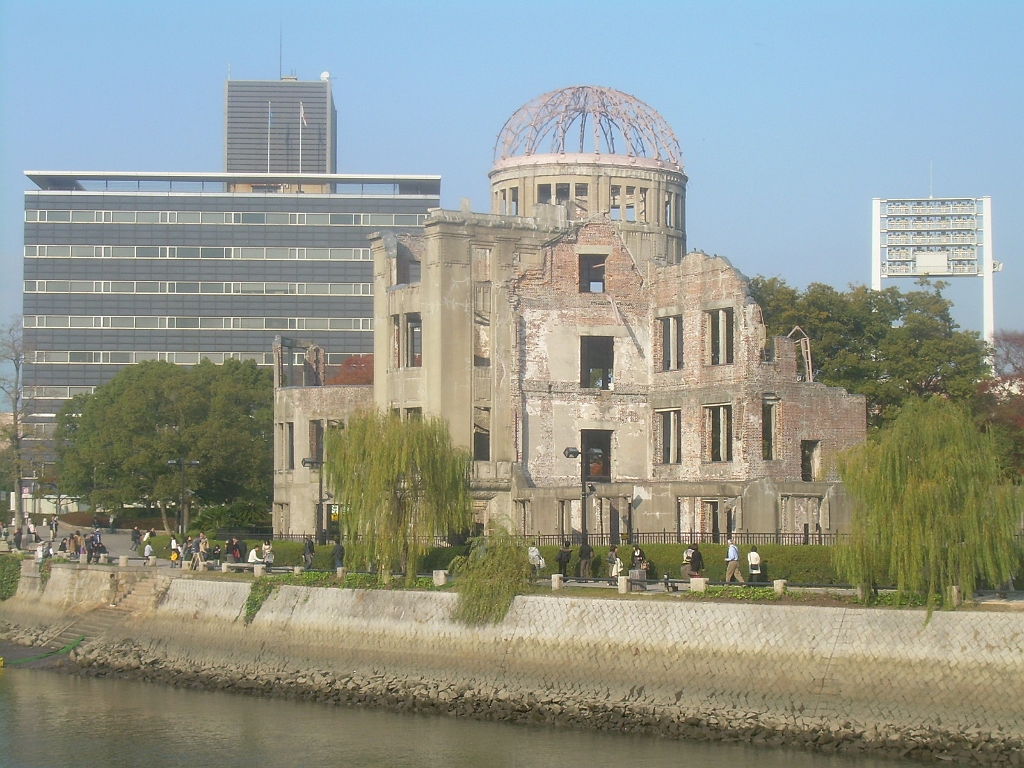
pixel 886 345
pixel 398 483
pixel 113 445
pixel 929 510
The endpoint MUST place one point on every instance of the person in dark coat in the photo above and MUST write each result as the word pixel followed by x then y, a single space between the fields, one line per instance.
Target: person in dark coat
pixel 563 557
pixel 696 562
pixel 308 551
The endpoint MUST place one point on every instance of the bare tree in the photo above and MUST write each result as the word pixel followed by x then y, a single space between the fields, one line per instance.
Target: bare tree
pixel 12 361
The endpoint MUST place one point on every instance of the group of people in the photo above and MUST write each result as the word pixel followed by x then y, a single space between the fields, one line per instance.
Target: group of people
pixel 692 566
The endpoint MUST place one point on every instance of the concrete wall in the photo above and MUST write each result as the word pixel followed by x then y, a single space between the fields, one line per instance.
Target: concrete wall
pixel 873 668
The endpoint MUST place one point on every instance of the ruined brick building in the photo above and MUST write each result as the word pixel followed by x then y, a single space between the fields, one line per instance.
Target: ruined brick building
pixel 606 381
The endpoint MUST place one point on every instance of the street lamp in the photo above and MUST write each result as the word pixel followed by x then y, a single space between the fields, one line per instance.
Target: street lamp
pixel 585 488
pixel 321 520
pixel 179 518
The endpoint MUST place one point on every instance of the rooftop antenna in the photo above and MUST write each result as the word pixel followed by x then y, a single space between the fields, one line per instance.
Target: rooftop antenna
pixel 280 51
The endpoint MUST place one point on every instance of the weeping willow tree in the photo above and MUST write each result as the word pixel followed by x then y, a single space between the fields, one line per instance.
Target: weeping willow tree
pixel 496 569
pixel 930 512
pixel 398 484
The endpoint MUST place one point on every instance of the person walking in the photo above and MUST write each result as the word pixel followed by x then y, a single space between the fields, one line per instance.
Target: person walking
pixel 754 564
pixel 563 557
pixel 338 553
pixel 732 564
pixel 614 564
pixel 586 555
pixel 136 538
pixel 308 551
pixel 175 552
pixel 54 524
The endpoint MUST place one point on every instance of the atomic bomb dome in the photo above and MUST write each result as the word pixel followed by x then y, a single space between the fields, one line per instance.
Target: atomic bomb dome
pixel 599 153
pixel 587 118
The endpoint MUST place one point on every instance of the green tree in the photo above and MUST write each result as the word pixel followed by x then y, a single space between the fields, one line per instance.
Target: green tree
pixel 999 405
pixel 886 345
pixel 113 445
pixel 398 484
pixel 929 510
pixel 496 569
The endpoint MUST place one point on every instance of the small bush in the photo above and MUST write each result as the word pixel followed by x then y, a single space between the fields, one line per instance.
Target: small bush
pixel 10 572
pixel 259 591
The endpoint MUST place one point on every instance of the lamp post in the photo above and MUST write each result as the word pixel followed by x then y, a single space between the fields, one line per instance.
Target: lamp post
pixel 321 521
pixel 179 518
pixel 585 488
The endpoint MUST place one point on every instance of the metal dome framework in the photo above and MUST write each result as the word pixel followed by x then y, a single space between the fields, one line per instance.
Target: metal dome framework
pixel 562 121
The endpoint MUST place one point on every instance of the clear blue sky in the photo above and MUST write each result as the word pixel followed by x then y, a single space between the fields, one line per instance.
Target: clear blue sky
pixel 791 115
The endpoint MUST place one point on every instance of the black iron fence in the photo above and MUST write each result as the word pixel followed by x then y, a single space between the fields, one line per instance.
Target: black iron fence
pixel 673 537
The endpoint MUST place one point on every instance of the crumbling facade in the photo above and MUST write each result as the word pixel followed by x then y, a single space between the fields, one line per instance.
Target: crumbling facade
pixel 607 382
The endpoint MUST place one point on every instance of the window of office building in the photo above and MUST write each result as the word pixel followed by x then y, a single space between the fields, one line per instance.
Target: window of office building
pixel 597 361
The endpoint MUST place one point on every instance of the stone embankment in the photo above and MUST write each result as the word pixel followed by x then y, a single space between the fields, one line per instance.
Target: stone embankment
pixel 830 680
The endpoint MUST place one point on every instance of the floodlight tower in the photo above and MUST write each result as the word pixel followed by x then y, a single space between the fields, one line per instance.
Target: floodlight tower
pixel 936 236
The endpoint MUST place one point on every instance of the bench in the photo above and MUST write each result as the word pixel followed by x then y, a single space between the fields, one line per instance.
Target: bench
pixel 259 569
pixel 124 561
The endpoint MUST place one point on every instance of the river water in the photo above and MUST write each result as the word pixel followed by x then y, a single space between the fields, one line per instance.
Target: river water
pixel 49 720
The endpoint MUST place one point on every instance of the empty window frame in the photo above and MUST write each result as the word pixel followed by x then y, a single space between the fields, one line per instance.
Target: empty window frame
pixel 769 416
pixel 671 343
pixel 597 361
pixel 396 342
pixel 582 205
pixel 810 460
pixel 615 203
pixel 481 434
pixel 289 445
pixel 671 437
pixel 316 440
pixel 597 455
pixel 592 273
pixel 720 329
pixel 718 432
pixel 561 194
pixel 544 194
pixel 513 201
pixel 413 340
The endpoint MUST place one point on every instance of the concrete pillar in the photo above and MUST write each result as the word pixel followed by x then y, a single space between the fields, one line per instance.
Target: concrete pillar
pixel 341 573
pixel 152 561
pixel 224 568
pixel 556 582
pixel 957 597
pixel 122 561
pixel 440 578
pixel 103 559
pixel 298 569
pixel 623 585
pixel 698 584
pixel 780 586
pixel 259 570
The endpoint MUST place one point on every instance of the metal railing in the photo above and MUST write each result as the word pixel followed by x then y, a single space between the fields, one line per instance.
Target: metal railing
pixel 674 537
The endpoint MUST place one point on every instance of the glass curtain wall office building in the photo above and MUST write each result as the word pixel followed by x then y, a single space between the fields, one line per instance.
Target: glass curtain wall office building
pixel 125 267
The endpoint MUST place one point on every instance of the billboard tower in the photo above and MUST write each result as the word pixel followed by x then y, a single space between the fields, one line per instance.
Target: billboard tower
pixel 935 237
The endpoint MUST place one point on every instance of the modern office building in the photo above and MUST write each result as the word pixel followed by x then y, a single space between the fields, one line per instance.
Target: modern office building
pixel 122 267
pixel 279 126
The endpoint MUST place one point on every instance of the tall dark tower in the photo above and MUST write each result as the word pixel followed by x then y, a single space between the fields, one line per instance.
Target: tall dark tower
pixel 280 126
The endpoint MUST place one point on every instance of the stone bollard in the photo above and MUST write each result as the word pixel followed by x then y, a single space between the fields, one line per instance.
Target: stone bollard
pixel 224 568
pixel 780 586
pixel 259 570
pixel 122 561
pixel 298 569
pixel 556 581
pixel 440 578
pixel 152 561
pixel 341 573
pixel 623 585
pixel 698 584
pixel 957 598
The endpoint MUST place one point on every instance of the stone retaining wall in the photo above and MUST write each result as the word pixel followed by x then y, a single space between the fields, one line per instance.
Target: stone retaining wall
pixel 809 672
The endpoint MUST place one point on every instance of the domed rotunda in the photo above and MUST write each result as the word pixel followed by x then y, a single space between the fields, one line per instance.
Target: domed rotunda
pixel 599 152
